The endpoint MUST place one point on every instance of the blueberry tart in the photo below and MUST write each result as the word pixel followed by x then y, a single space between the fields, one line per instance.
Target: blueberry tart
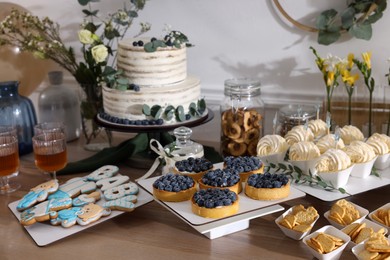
pixel 215 203
pixel 221 179
pixel 193 167
pixel 267 186
pixel 174 188
pixel 244 165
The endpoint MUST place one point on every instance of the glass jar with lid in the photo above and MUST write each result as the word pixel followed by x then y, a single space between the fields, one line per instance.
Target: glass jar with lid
pixel 242 117
pixel 293 115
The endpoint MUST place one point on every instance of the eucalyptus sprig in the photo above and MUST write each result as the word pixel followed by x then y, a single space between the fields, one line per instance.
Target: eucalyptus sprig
pixel 297 176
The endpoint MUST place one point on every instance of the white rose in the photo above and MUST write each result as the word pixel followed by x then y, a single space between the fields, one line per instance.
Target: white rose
pixel 99 53
pixel 86 37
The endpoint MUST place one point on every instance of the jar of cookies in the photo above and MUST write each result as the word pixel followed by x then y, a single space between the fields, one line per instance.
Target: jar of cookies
pixel 242 116
pixel 293 115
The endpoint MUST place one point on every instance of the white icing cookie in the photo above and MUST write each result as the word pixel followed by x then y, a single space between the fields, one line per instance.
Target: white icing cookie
pixel 74 187
pixel 85 199
pixel 126 203
pixel 37 194
pixel 44 211
pixel 121 191
pixel 91 213
pixel 112 182
pixel 103 172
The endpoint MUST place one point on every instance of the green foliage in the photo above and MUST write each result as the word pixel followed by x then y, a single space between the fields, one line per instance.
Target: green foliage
pixel 356 19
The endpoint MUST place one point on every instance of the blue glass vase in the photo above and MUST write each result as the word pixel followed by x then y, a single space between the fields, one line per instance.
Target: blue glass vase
pixel 18 111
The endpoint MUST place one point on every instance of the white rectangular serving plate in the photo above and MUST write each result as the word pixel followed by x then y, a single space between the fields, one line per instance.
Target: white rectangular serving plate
pixel 249 209
pixel 354 186
pixel 44 233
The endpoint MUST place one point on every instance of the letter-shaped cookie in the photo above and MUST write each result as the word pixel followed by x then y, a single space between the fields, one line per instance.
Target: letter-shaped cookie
pixel 74 187
pixel 123 204
pixel 112 182
pixel 91 213
pixel 37 194
pixel 121 191
pixel 85 199
pixel 44 211
pixel 103 172
pixel 66 217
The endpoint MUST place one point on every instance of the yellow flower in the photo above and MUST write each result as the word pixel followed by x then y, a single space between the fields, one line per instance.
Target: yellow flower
pixel 350 60
pixel 330 79
pixel 367 59
pixel 348 78
pixel 99 53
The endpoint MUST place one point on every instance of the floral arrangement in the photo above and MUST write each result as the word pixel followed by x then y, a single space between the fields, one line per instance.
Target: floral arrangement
pixel 349 82
pixel 364 66
pixel 97 36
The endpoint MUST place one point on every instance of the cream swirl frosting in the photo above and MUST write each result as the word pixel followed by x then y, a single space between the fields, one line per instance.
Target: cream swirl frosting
pixel 384 138
pixel 303 151
pixel 360 152
pixel 380 147
pixel 351 133
pixel 298 134
pixel 333 160
pixel 328 141
pixel 271 144
pixel 318 127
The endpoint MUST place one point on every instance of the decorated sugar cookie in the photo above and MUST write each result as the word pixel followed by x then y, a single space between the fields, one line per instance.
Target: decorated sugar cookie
pixel 91 213
pixel 37 194
pixel 103 172
pixel 74 187
pixel 66 217
pixel 85 199
pixel 126 203
pixel 44 211
pixel 121 191
pixel 112 182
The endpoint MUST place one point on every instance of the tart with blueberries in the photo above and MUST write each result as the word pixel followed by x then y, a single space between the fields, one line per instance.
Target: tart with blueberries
pixel 244 165
pixel 215 203
pixel 267 186
pixel 221 179
pixel 193 167
pixel 174 188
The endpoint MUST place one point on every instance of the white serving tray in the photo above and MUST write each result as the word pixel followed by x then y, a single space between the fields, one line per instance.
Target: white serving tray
pixel 214 228
pixel 45 233
pixel 354 186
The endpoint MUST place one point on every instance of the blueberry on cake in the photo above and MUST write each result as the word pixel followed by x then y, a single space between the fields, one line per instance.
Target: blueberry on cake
pixel 267 186
pixel 174 188
pixel 193 167
pixel 215 203
pixel 244 165
pixel 221 179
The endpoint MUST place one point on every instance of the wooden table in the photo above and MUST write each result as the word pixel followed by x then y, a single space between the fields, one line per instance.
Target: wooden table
pixel 152 232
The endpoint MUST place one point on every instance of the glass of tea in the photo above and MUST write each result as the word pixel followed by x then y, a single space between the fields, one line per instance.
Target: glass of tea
pixel 9 160
pixel 50 151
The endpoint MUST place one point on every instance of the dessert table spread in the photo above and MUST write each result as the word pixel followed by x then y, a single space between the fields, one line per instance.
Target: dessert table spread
pixel 152 231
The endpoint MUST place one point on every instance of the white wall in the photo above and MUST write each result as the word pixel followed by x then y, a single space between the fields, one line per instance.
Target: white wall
pixel 241 38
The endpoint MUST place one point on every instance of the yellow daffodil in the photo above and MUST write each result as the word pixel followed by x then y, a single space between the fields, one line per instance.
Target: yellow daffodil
pixel 367 59
pixel 330 79
pixel 350 60
pixel 348 78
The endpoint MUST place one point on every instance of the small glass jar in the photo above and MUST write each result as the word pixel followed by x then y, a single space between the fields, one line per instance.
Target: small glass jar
pixel 293 115
pixel 242 117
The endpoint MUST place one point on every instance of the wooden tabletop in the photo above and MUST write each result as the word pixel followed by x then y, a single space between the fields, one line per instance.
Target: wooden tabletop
pixel 153 232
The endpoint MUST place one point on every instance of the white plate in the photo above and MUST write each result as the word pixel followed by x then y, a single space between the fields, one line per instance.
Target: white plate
pixel 362 212
pixel 358 248
pixel 44 233
pixel 386 206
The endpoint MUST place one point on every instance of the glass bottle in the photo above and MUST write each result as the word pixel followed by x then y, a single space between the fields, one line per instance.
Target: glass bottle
pixel 184 147
pixel 18 111
pixel 293 115
pixel 242 117
pixel 58 103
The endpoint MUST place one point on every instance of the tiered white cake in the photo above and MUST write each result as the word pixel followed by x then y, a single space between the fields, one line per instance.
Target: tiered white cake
pixel 161 76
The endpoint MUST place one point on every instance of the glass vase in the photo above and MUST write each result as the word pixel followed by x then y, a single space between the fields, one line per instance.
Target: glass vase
pixel 18 111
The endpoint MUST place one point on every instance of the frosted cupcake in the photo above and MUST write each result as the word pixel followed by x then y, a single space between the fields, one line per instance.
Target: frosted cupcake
pixel 381 149
pixel 318 127
pixel 362 155
pixel 272 148
pixel 328 141
pixel 351 133
pixel 303 155
pixel 298 134
pixel 334 166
